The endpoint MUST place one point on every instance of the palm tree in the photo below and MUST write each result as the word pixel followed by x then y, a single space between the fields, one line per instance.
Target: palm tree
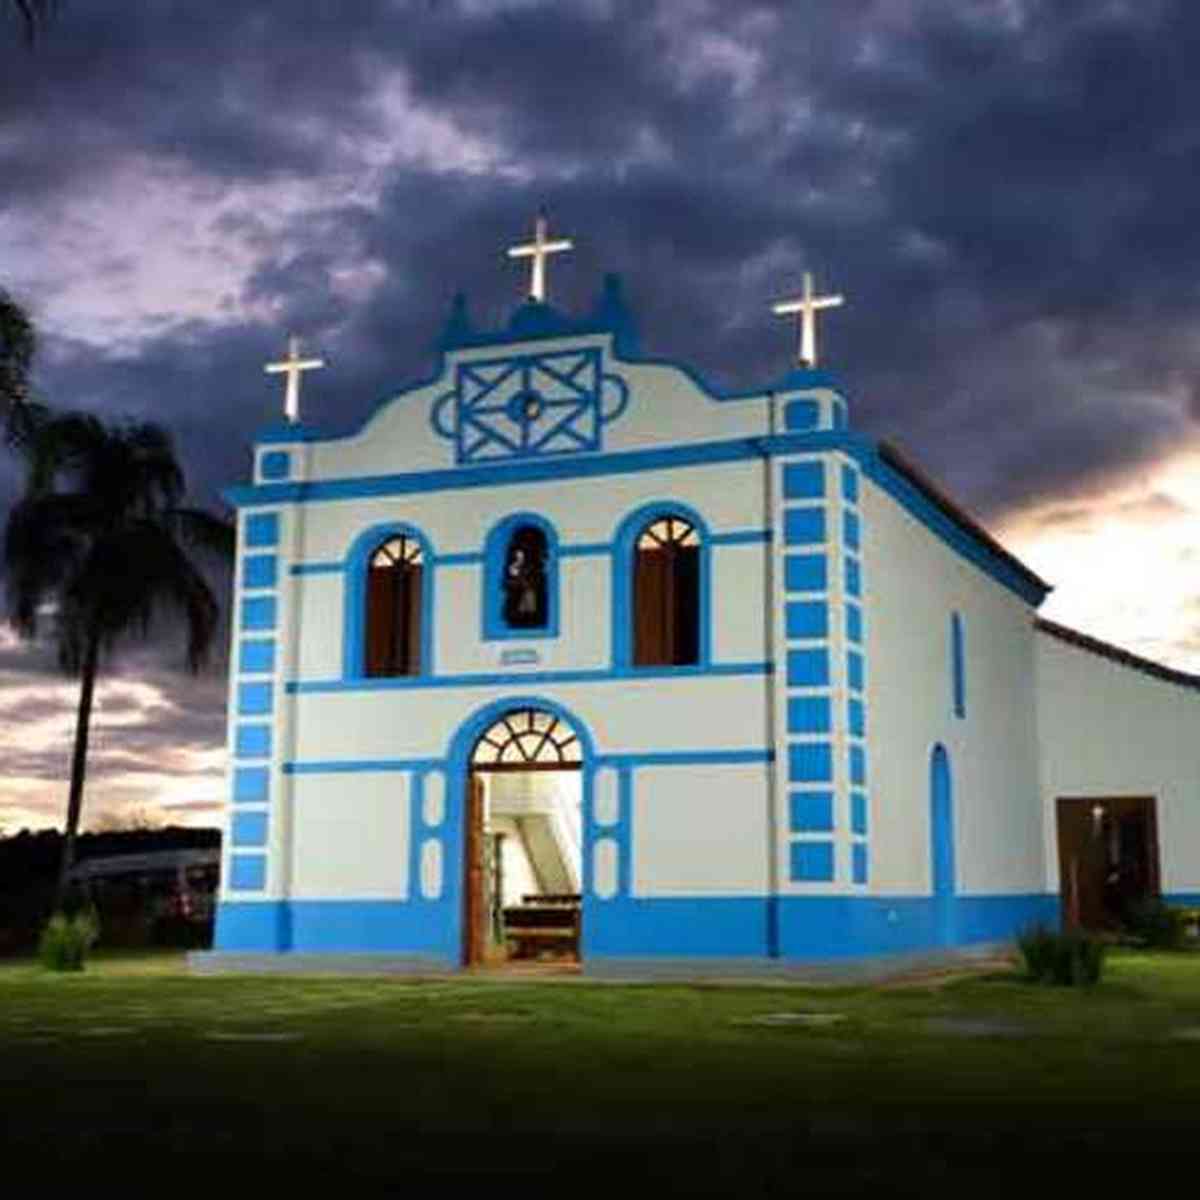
pixel 33 14
pixel 17 344
pixel 101 538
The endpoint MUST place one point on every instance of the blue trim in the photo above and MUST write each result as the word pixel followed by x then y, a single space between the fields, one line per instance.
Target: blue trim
pixel 258 613
pixel 259 570
pixel 941 845
pixel 495 552
pixel 853 577
pixel 262 529
pixel 853 623
pixel 275 464
pixel 850 529
pixel 254 699
pixel 683 758
pixel 256 925
pixel 252 741
pixel 492 679
pixel 849 484
pixel 811 862
pixel 854 670
pixel 354 617
pixel 247 872
pixel 624 831
pixel 251 785
pixel 358 766
pixel 805 573
pixel 802 414
pixel 856 717
pixel 804 480
pixel 317 568
pixel 624 547
pixel 810 812
pixel 858 766
pixel 257 655
pixel 858 862
pixel 956 654
pixel 716 927
pixel 807 619
pixel 249 829
pixel 741 537
pixel 287 432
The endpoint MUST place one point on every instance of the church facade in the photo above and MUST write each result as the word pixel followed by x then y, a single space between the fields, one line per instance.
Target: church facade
pixel 733 683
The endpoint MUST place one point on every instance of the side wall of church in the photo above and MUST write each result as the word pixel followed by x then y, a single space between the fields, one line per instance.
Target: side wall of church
pixel 1108 730
pixel 980 709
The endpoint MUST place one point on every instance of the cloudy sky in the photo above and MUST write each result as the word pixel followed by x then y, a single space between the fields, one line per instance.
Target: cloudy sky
pixel 1005 190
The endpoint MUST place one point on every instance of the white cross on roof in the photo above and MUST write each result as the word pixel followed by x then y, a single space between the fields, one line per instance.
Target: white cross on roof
pixel 539 250
pixel 292 366
pixel 807 306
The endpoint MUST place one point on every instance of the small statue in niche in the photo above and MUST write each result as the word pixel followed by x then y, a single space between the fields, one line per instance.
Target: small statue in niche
pixel 525 579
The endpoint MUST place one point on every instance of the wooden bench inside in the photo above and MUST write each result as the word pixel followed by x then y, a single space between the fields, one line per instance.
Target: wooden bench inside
pixel 541 923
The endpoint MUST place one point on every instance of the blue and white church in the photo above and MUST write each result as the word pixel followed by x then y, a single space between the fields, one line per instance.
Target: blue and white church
pixel 568 653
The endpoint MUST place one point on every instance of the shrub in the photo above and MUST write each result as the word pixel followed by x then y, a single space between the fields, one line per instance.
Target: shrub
pixel 1070 959
pixel 66 940
pixel 1156 924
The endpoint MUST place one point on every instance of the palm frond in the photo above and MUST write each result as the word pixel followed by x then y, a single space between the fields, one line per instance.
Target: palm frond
pixel 18 343
pixel 204 531
pixel 33 15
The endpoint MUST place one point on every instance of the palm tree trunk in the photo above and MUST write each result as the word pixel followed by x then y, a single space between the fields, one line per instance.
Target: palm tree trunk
pixel 87 687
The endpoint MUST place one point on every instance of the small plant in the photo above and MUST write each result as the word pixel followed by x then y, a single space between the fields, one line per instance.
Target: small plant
pixel 1070 959
pixel 66 940
pixel 1156 924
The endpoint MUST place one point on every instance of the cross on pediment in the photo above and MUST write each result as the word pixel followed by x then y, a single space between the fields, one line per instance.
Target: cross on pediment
pixel 807 305
pixel 292 366
pixel 538 251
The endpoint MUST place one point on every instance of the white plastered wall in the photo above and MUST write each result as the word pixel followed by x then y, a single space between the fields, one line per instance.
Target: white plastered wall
pixel 699 830
pixel 913 582
pixel 1106 729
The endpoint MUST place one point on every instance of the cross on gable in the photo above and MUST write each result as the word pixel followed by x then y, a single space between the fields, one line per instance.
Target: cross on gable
pixel 539 250
pixel 292 366
pixel 807 305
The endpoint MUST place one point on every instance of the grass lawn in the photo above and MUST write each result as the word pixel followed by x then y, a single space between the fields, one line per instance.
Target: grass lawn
pixel 134 1067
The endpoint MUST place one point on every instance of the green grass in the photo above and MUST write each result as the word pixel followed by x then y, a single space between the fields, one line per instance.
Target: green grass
pixel 136 1063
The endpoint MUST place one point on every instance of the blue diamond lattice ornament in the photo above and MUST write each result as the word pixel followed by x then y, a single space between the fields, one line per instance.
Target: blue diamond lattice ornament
pixel 529 405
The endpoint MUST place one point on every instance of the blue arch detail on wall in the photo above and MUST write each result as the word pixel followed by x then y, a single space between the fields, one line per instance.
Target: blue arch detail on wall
pixel 355 596
pixel 624 543
pixel 494 548
pixel 941 845
pixel 450 904
pixel 958 665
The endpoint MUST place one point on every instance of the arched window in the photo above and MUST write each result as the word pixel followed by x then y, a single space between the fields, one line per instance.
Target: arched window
pixel 393 601
pixel 526 600
pixel 666 593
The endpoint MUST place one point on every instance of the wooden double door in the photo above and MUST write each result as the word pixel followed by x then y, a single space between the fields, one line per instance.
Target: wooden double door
pixel 1107 858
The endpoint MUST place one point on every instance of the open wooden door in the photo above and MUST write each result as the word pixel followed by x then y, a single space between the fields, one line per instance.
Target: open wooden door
pixel 474 914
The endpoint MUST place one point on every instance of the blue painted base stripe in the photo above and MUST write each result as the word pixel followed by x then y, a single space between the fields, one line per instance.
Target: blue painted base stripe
pixel 810 928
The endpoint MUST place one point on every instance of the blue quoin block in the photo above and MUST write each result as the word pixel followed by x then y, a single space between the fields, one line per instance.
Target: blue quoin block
pixel 853 623
pixel 850 484
pixel 799 415
pixel 259 570
pixel 262 529
pixel 858 860
pixel 253 741
pixel 805 573
pixel 275 464
pixel 811 812
pixel 251 785
pixel 853 577
pixel 854 670
pixel 248 872
pixel 804 480
pixel 249 829
pixel 812 862
pixel 810 762
pixel 850 529
pixel 258 612
pixel 254 699
pixel 258 655
pixel 809 714
pixel 858 765
pixel 808 668
pixel 858 812
pixel 807 619
pixel 804 526
pixel 856 716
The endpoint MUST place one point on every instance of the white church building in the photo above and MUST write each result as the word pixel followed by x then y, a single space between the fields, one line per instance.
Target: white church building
pixel 566 651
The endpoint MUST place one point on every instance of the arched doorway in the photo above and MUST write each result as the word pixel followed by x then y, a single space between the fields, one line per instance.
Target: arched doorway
pixel 941 850
pixel 523 839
